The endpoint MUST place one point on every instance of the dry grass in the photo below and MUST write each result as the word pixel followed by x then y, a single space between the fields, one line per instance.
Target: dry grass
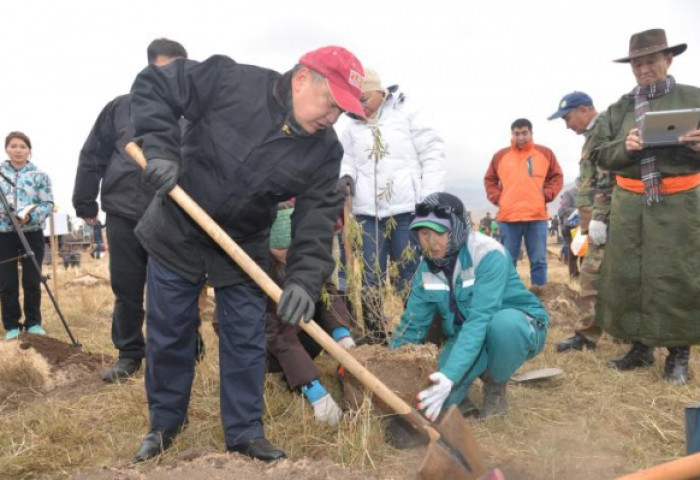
pixel 591 423
pixel 21 371
pixel 51 439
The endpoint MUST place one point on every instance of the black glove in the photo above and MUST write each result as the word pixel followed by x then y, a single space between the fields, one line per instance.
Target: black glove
pixel 294 304
pixel 161 174
pixel 346 185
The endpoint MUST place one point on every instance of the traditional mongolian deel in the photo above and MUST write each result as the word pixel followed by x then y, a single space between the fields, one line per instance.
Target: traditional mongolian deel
pixel 650 288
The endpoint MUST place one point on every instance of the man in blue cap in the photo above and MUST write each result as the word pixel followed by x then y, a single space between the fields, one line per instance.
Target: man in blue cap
pixel 593 203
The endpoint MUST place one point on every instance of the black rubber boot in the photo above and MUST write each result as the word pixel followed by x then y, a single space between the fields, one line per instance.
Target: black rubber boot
pixel 577 342
pixel 639 356
pixel 676 367
pixel 495 402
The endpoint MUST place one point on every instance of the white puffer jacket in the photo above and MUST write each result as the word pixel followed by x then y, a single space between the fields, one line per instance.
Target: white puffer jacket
pixel 413 167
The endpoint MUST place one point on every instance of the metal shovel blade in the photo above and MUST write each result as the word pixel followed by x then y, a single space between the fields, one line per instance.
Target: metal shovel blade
pixel 692 429
pixel 539 374
pixel 455 455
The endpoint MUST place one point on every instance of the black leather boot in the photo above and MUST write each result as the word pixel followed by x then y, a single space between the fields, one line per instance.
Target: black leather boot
pixel 155 443
pixel 676 367
pixel 577 342
pixel 639 356
pixel 123 369
pixel 259 448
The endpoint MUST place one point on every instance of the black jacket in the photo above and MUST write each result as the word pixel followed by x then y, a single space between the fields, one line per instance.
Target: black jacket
pixel 103 159
pixel 241 154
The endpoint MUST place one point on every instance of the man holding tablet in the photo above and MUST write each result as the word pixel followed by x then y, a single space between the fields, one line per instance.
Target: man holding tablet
pixel 650 290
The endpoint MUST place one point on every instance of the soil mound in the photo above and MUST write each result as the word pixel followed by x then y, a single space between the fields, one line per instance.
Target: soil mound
pixel 61 355
pixel 72 373
pixel 561 303
pixel 405 371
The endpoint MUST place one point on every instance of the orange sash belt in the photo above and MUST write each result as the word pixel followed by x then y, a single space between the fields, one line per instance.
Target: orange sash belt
pixel 669 185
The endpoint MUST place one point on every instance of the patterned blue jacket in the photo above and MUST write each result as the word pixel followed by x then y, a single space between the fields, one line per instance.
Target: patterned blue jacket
pixel 31 187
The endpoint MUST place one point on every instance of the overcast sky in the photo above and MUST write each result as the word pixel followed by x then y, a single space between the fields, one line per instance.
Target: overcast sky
pixel 472 66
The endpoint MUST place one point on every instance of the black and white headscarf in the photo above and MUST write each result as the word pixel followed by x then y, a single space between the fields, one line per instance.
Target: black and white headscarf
pixel 459 231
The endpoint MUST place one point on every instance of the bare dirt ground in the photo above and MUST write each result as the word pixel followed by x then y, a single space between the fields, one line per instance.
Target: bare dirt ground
pixel 203 465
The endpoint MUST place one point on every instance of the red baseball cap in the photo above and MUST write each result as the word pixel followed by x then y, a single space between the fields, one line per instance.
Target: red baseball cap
pixel 344 73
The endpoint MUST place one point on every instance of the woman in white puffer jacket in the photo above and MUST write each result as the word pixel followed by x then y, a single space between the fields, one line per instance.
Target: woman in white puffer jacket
pixel 392 161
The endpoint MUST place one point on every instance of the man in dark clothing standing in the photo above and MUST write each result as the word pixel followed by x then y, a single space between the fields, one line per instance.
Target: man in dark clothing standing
pixel 103 165
pixel 567 207
pixel 255 138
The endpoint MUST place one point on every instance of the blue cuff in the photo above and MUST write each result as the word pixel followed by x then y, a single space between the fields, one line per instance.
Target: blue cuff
pixel 340 332
pixel 314 391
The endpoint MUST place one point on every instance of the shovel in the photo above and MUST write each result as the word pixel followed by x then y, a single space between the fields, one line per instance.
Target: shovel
pixel 537 375
pixel 684 468
pixel 452 452
pixel 692 429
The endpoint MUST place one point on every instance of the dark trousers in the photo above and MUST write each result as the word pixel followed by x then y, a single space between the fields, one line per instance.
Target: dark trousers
pixel 392 242
pixel 171 321
pixel 10 246
pixel 571 259
pixel 292 350
pixel 127 269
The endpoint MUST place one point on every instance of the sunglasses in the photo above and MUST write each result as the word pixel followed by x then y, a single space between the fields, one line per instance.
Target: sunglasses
pixel 440 211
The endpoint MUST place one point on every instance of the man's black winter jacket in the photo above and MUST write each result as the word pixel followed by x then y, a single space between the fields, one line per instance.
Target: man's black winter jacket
pixel 241 155
pixel 103 160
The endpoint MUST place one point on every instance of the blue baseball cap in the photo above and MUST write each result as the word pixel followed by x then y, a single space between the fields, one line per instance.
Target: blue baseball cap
pixel 571 101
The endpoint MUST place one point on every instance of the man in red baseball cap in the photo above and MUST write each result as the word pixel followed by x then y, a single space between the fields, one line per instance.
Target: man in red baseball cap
pixel 343 73
pixel 256 137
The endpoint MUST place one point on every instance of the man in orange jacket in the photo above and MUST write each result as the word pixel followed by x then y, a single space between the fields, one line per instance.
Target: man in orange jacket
pixel 520 181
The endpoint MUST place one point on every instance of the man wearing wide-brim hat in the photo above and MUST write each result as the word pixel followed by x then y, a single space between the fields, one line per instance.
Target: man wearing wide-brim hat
pixel 650 290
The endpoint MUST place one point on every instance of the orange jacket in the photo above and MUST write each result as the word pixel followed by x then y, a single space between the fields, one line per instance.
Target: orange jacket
pixel 522 181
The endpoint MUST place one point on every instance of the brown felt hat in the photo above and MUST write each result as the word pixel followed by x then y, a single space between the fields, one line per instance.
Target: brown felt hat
pixel 648 42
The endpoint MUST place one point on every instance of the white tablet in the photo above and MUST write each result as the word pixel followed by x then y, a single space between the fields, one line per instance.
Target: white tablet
pixel 664 127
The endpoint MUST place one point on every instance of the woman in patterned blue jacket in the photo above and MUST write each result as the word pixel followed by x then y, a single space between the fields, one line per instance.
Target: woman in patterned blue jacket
pixel 28 192
pixel 493 324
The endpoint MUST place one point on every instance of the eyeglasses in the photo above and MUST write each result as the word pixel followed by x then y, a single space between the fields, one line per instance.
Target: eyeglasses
pixel 440 211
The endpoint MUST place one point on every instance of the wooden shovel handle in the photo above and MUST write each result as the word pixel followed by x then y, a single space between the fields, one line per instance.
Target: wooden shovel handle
pixel 684 468
pixel 274 292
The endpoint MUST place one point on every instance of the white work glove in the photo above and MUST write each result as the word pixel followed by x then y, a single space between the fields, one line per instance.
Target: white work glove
pixel 347 343
pixel 597 232
pixel 432 398
pixel 326 410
